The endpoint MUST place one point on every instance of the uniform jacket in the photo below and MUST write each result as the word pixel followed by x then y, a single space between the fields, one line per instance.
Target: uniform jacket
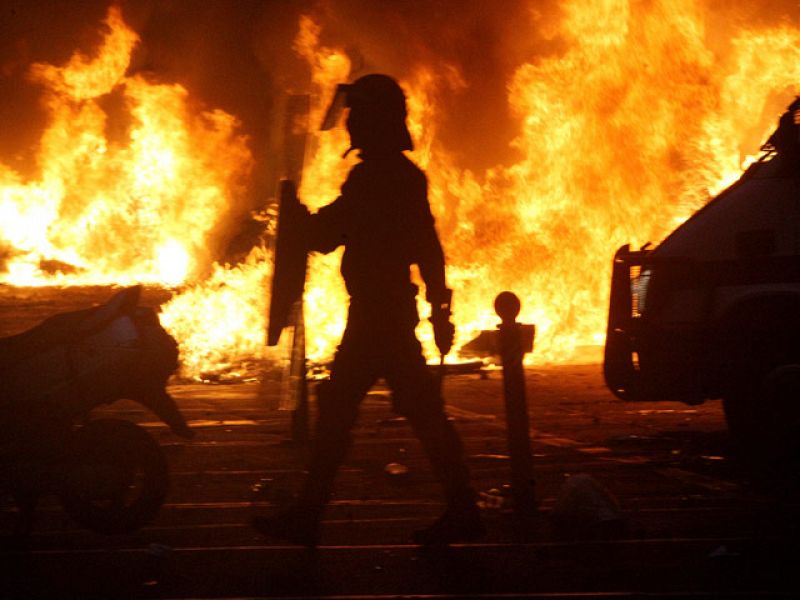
pixel 384 221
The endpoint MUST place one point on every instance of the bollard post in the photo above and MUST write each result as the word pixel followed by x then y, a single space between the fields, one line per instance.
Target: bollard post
pixel 515 340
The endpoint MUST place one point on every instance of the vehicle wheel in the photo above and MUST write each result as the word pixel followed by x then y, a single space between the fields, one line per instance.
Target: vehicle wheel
pixel 745 424
pixel 117 477
pixel 764 416
pixel 781 392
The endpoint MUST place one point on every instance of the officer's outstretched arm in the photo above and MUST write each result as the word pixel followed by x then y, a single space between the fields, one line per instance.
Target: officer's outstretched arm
pixel 430 259
pixel 431 267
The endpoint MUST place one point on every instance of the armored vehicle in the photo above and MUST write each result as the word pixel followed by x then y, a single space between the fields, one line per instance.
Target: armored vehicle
pixel 713 311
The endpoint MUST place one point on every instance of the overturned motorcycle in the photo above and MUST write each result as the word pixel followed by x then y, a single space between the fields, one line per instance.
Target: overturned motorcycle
pixel 110 474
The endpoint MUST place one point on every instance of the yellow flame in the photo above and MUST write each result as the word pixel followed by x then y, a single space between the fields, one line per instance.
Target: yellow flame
pixel 172 261
pixel 631 124
pixel 219 323
pixel 623 136
pixel 84 78
pixel 104 211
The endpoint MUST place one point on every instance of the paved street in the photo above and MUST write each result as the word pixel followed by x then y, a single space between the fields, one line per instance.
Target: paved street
pixel 694 522
pixel 697 524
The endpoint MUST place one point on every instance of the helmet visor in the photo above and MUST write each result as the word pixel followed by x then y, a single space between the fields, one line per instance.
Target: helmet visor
pixel 339 102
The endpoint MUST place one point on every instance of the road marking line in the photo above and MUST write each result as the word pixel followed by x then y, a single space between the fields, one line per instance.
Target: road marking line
pixel 704 481
pixel 654 542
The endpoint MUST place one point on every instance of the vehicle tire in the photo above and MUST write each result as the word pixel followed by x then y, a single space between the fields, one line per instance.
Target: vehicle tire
pixel 117 476
pixel 761 350
pixel 764 417
pixel 745 423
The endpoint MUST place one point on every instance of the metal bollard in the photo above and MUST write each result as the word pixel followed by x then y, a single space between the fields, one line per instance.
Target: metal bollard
pixel 515 339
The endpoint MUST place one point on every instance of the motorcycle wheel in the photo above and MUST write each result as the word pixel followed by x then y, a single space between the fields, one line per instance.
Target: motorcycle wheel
pixel 118 477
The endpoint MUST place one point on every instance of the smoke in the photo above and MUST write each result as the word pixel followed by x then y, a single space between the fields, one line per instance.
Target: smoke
pixel 30 32
pixel 483 44
pixel 480 44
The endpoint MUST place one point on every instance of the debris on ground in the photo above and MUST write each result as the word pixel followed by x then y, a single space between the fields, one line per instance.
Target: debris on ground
pixel 586 509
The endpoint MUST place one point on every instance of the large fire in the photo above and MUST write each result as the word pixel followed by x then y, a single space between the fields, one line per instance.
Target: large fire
pixel 633 124
pixel 137 210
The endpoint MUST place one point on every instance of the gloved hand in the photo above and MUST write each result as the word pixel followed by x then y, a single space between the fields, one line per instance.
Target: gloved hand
pixel 443 329
pixel 444 332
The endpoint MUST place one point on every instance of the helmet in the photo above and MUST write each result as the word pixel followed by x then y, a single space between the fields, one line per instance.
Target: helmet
pixel 377 118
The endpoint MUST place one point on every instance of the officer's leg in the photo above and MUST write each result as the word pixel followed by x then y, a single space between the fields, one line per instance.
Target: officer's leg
pixel 417 398
pixel 338 401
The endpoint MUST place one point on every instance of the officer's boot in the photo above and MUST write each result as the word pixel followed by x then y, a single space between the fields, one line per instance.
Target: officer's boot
pixel 301 523
pixel 461 521
pixel 458 524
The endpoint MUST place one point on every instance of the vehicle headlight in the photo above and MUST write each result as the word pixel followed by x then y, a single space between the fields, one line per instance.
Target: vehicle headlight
pixel 639 284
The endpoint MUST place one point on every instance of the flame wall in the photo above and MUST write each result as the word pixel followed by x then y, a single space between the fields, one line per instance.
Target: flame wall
pixel 551 133
pixel 621 119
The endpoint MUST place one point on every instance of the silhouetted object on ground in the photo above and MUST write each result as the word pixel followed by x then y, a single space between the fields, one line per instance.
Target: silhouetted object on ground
pixel 514 340
pixel 52 377
pixel 483 345
pixel 586 509
pixel 383 220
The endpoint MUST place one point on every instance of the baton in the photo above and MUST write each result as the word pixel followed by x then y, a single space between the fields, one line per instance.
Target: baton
pixel 447 302
pixel 441 373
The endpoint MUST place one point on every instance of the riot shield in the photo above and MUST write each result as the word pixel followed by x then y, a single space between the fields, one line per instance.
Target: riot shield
pixel 290 257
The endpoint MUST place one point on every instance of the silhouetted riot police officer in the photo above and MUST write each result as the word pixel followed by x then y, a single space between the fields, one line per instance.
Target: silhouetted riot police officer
pixel 384 221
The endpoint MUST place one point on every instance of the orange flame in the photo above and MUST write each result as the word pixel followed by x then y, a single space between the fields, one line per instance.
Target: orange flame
pixel 623 136
pixel 636 120
pixel 110 212
pixel 219 324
